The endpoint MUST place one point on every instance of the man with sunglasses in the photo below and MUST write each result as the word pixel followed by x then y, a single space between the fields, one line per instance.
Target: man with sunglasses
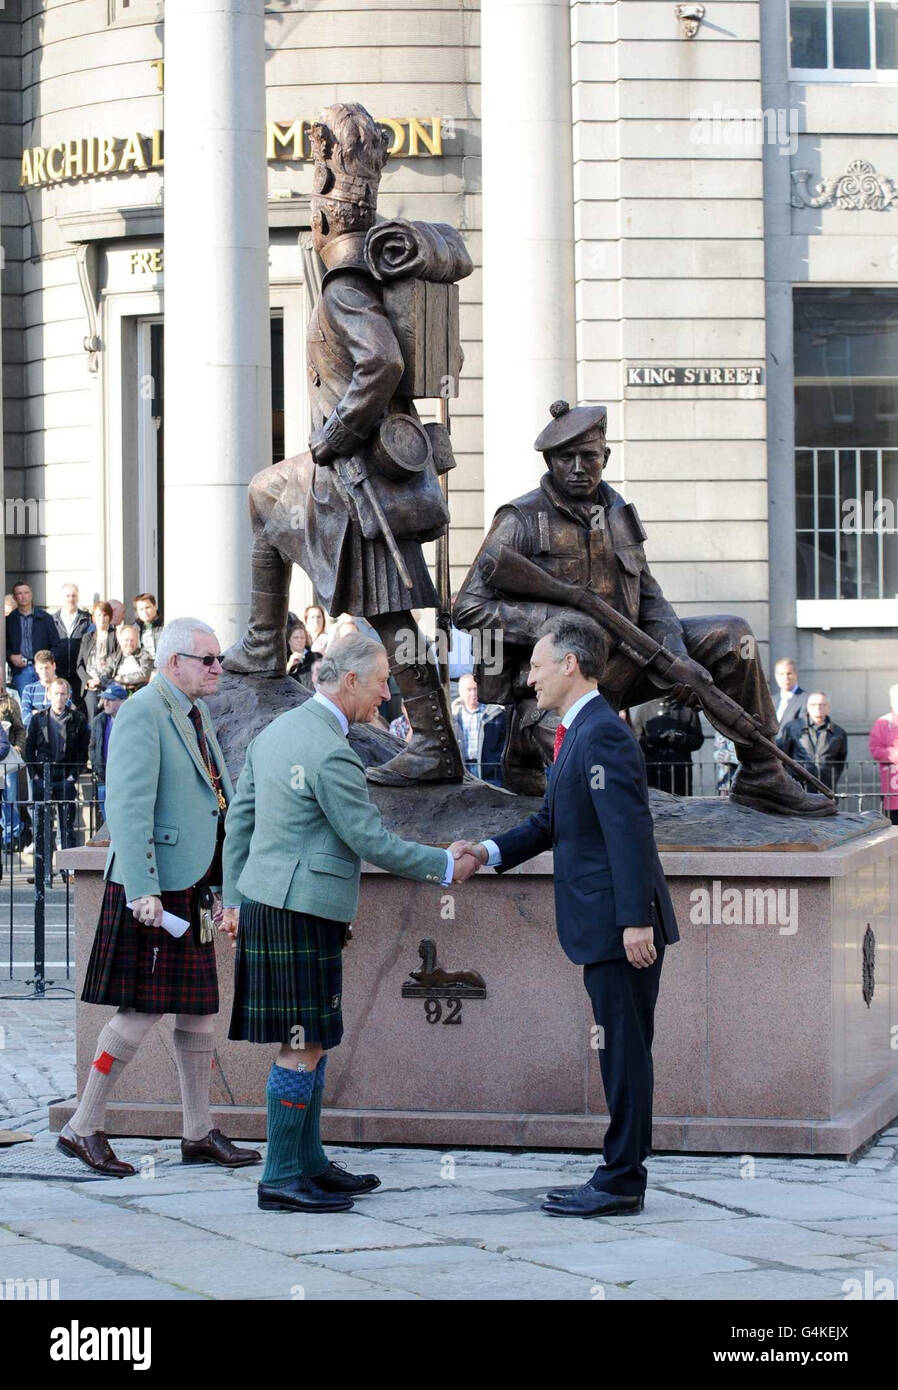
pixel 167 791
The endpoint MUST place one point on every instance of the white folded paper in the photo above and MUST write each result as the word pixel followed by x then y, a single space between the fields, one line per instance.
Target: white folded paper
pixel 175 926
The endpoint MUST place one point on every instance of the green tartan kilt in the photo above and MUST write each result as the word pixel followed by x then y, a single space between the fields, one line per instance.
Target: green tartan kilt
pixel 288 975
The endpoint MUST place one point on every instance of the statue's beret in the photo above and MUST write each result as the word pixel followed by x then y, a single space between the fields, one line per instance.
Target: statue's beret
pixel 570 423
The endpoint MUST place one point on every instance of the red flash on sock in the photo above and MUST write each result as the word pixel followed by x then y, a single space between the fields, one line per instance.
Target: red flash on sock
pixel 294 1104
pixel 104 1062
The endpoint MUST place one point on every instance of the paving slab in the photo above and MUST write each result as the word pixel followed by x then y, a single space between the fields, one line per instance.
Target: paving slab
pixel 764 1239
pixel 766 1197
pixel 295 1233
pixel 194 1206
pixel 509 1230
pixel 760 1285
pixel 229 1269
pixel 629 1258
pixel 504 1281
pixel 870 1227
pixel 389 1205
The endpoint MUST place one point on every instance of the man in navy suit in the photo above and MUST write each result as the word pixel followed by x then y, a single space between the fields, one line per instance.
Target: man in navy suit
pixel 613 912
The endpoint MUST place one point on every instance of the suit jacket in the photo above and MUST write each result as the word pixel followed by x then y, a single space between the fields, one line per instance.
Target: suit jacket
pixel 39 749
pixel 301 822
pixel 161 808
pixel 43 632
pixel 595 817
pixel 797 708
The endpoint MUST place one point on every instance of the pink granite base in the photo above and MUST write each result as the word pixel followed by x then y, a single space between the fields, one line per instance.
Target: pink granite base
pixel 764 1042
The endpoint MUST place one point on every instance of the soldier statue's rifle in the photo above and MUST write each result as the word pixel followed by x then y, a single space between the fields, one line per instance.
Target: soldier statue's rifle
pixel 444 612
pixel 518 577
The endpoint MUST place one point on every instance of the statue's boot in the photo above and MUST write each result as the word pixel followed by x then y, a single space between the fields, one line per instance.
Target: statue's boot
pixel 765 785
pixel 262 650
pixel 528 749
pixel 433 754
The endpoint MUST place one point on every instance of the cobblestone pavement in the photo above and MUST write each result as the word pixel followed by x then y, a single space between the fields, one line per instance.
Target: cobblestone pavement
pixel 464 1225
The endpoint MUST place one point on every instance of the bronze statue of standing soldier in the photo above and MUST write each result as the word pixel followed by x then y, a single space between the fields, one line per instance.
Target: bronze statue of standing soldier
pixel 355 510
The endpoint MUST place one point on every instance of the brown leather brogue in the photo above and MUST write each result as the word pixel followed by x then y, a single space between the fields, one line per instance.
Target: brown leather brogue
pixel 216 1148
pixel 95 1151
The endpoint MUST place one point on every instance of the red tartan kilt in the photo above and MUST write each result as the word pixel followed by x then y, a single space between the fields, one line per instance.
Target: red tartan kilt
pixel 144 968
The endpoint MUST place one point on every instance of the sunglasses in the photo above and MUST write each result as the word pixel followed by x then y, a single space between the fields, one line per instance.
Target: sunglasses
pixel 208 660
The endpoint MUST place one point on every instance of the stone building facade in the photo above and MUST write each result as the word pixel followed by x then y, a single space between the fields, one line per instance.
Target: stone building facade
pixel 715 214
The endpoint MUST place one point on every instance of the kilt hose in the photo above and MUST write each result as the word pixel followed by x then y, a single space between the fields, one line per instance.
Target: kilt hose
pixel 288 972
pixel 144 968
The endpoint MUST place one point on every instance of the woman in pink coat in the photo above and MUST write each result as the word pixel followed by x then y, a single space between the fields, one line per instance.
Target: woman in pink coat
pixel 884 748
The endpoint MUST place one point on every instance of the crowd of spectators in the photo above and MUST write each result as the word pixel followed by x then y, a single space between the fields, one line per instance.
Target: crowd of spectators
pixel 70 670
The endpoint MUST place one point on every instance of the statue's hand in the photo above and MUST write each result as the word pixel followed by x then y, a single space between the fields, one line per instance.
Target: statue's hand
pixel 319 448
pixel 698 677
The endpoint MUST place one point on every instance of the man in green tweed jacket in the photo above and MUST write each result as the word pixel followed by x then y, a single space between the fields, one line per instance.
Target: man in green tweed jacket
pixel 296 833
pixel 167 791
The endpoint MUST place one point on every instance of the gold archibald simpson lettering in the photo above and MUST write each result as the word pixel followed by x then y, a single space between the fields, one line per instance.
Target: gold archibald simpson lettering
pixel 99 156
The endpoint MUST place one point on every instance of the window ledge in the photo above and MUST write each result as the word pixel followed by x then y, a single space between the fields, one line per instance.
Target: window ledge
pixel 846 612
pixel 872 76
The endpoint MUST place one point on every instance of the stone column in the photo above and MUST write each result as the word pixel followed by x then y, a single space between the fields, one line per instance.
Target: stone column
pixel 529 343
pixel 217 335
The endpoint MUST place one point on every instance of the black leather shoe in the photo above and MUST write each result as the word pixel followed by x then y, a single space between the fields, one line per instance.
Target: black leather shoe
pixel 301 1195
pixel 337 1179
pixel 559 1194
pixel 587 1201
pixel 216 1148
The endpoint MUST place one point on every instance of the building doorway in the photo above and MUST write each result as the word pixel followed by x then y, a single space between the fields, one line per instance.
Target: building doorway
pixel 150 459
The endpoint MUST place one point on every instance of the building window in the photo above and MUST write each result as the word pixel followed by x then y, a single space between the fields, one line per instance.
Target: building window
pixel 843 40
pixel 133 11
pixel 278 450
pixel 846 444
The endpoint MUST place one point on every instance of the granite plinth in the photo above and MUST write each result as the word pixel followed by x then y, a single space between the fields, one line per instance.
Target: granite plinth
pixel 769 1036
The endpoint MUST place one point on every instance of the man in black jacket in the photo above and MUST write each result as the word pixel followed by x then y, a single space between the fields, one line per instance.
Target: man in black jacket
pixel 613 911
pixel 669 732
pixel 816 742
pixel 71 623
pixel 28 630
pixel 56 753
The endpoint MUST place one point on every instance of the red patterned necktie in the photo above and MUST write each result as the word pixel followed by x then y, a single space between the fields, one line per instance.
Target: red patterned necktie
pixel 196 721
pixel 559 740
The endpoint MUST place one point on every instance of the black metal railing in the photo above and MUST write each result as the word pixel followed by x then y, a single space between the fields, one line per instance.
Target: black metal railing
pixel 857 787
pixel 43 809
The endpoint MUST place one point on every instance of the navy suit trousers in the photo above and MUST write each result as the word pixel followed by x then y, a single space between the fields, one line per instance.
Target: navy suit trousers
pixel 623 1004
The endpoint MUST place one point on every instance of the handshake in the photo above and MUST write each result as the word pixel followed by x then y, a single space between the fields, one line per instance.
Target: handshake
pixel 469 856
